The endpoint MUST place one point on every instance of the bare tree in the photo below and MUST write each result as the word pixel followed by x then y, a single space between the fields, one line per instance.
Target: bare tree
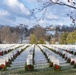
pixel 47 3
pixel 8 36
pixel 14 37
pixel 72 16
pixel 8 39
pixel 23 30
pixel 5 31
pixel 56 35
pixel 0 35
pixel 39 32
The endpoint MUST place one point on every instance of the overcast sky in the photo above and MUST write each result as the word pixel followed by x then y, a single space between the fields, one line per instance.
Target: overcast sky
pixel 14 12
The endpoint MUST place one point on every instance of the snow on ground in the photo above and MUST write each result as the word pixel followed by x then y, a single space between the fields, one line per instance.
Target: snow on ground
pixel 39 57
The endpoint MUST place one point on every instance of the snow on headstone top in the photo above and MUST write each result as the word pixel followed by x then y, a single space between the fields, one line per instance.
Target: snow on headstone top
pixel 72 58
pixel 2 61
pixel 75 60
pixel 29 62
pixel 64 52
pixel 56 61
pixel 29 57
pixel 52 58
pixel 6 58
pixel 57 49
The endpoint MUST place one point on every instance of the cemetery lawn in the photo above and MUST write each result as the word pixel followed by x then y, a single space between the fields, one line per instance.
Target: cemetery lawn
pixel 48 71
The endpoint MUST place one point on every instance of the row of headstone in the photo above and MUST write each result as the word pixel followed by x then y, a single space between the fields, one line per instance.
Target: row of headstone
pixel 69 48
pixel 53 57
pixel 57 56
pixel 29 65
pixel 6 50
pixel 69 56
pixel 21 59
pixel 8 58
pixel 29 60
pixel 56 61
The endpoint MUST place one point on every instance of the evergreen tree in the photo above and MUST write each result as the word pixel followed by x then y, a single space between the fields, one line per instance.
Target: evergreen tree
pixel 71 38
pixel 41 41
pixel 63 38
pixel 33 39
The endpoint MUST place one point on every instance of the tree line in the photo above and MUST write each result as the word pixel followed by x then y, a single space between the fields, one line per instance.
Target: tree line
pixel 11 34
pixel 36 34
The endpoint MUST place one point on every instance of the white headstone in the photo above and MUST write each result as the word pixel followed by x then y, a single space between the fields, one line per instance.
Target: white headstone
pixel 29 61
pixel 56 61
pixel 2 61
pixel 52 58
pixel 29 57
pixel 6 58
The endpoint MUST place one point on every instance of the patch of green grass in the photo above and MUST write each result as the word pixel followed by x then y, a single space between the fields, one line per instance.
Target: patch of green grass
pixel 47 71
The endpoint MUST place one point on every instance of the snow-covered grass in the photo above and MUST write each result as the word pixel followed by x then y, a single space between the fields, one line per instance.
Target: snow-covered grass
pixel 39 57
